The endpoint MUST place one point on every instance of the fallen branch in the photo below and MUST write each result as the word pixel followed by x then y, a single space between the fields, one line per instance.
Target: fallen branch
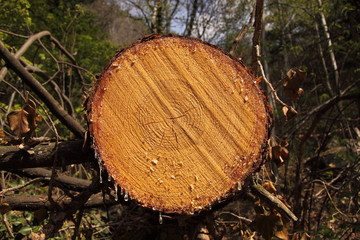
pixel 273 201
pixel 42 155
pixel 35 202
pixel 71 183
pixel 56 219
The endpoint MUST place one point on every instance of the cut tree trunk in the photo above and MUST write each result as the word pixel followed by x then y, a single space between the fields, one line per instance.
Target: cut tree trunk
pixel 178 123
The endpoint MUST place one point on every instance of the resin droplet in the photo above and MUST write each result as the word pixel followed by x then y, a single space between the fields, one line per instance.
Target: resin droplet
pixel 100 171
pixel 126 196
pixel 116 192
pixel 239 186
pixel 160 218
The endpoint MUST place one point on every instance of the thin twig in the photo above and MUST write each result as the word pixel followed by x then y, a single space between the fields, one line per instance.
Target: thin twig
pixel 246 220
pixel 332 201
pixel 267 81
pixel 3 192
pixel 43 94
pixel 263 194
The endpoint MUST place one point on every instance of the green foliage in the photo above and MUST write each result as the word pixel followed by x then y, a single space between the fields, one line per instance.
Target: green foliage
pixel 74 27
pixel 14 14
pixel 21 223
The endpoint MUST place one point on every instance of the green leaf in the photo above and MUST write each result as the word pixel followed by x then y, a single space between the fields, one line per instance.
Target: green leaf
pixel 26 230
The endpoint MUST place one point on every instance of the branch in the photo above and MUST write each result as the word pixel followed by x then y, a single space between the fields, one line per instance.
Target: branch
pixel 270 199
pixel 242 33
pixel 71 183
pixel 42 93
pixel 273 91
pixel 57 219
pixel 257 33
pixel 23 49
pixel 35 202
pixel 46 78
pixel 31 40
pixel 333 101
pixel 42 155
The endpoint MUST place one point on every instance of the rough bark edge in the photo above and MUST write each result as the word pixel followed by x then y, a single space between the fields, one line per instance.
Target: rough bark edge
pixel 256 162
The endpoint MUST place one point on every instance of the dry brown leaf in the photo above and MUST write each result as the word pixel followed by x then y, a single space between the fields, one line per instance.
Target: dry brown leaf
pixel 300 236
pixel 3 137
pixel 203 234
pixel 269 186
pixel 289 112
pixel 279 153
pixel 2 134
pixel 37 236
pixel 294 78
pixel 23 122
pixel 18 122
pixel 247 235
pixel 271 225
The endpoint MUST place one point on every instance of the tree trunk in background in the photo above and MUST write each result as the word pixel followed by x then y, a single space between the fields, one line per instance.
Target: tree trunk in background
pixel 321 52
pixel 178 123
pixel 257 33
pixel 330 46
pixel 192 18
pixel 156 20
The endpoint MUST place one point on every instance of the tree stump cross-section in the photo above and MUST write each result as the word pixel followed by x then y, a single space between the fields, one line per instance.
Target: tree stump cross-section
pixel 178 123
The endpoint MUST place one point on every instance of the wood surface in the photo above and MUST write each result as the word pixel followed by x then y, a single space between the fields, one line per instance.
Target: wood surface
pixel 178 123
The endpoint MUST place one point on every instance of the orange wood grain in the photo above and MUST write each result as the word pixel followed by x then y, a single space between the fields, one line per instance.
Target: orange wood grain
pixel 178 123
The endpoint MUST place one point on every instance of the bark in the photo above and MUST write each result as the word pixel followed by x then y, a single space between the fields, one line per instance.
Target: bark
pixel 192 17
pixel 33 203
pixel 43 155
pixel 71 183
pixel 42 93
pixel 156 20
